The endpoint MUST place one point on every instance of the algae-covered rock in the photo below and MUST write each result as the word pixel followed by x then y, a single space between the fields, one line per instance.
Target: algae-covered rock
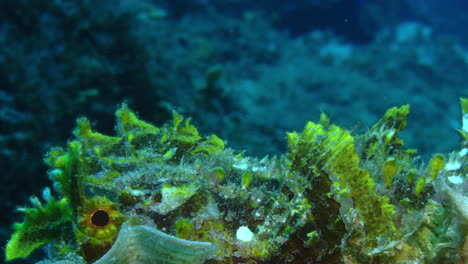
pixel 170 195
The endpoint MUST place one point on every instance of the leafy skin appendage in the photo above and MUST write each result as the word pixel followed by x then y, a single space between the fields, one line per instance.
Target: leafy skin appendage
pixel 41 224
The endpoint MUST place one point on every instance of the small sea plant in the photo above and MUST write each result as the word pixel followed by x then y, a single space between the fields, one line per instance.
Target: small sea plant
pixel 170 195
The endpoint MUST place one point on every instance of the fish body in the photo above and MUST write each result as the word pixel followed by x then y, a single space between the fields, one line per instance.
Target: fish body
pixel 170 195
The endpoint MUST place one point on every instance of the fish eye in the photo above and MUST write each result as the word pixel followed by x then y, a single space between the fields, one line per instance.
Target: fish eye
pixel 100 218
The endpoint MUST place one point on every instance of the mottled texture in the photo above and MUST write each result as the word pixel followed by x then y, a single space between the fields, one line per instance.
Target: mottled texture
pixel 333 198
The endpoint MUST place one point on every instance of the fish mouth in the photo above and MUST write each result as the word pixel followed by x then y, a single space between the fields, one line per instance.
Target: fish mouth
pixel 144 244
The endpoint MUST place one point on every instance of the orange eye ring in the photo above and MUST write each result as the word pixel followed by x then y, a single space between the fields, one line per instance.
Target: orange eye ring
pixel 99 218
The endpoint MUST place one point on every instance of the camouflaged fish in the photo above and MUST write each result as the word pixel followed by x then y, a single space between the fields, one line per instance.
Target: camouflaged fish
pixel 169 195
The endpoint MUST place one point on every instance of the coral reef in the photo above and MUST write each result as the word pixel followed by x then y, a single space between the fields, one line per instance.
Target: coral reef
pixel 334 197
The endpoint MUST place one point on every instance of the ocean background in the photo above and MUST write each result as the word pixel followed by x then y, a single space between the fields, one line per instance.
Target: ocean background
pixel 248 71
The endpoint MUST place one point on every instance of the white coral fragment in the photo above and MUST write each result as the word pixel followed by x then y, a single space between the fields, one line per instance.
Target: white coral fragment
pixel 453 165
pixel 455 179
pixel 143 244
pixel 244 234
